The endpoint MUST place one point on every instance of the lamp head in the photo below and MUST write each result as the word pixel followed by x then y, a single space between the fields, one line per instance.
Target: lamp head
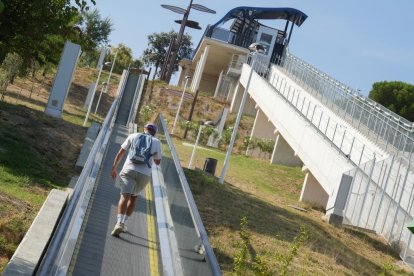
pixel 257 47
pixel 187 77
pixel 108 63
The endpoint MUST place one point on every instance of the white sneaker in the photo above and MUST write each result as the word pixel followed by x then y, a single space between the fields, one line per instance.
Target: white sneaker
pixel 117 229
pixel 124 228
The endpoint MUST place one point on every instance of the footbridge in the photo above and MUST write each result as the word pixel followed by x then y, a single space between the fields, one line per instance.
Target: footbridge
pixel 165 235
pixel 357 155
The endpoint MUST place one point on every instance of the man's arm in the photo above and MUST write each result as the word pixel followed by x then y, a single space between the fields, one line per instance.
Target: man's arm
pixel 118 157
pixel 158 154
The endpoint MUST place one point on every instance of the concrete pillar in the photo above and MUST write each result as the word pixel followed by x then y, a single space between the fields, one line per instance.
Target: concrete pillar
pixel 199 69
pixel 237 97
pixel 218 84
pixel 283 154
pixel 337 201
pixel 104 50
pixel 250 107
pixel 312 191
pixel 63 79
pixel 262 128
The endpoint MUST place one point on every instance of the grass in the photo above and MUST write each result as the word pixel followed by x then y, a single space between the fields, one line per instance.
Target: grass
pixel 38 152
pixel 262 193
pixel 32 162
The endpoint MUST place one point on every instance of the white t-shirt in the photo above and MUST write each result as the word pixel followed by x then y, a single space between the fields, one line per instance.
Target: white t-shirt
pixel 142 168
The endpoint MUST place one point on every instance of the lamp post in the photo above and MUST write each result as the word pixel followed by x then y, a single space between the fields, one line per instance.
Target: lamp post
pixel 181 102
pixel 255 48
pixel 110 72
pixel 200 130
pixel 104 86
pixel 93 93
pixel 170 59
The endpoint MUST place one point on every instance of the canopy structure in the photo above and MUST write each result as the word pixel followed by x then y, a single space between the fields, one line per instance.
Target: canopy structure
pixel 257 13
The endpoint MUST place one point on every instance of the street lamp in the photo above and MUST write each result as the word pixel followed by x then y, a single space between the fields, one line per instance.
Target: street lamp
pixel 110 72
pixel 255 48
pixel 93 93
pixel 171 57
pixel 181 102
pixel 200 130
pixel 104 86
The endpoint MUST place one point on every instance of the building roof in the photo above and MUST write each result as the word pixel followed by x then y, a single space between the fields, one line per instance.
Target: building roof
pixel 257 13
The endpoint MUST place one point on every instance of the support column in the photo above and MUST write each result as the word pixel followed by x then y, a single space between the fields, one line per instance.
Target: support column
pixel 218 84
pixel 199 70
pixel 262 128
pixel 237 97
pixel 283 154
pixel 337 201
pixel 312 191
pixel 63 79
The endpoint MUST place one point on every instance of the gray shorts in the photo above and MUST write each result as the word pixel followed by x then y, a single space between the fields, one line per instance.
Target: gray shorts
pixel 133 182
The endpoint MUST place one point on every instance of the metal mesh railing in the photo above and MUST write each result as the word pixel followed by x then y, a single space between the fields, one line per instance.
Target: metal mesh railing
pixel 388 130
pixel 330 127
pixel 381 199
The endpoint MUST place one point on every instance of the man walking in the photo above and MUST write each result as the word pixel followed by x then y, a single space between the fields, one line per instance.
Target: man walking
pixel 134 175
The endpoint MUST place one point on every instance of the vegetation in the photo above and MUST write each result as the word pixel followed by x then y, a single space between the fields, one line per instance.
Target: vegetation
pixel 280 240
pixel 158 44
pixel 37 152
pixel 397 96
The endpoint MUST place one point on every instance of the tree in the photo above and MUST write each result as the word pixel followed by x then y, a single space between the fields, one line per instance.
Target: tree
pixel 37 30
pixel 25 24
pixel 94 30
pixel 93 34
pixel 158 46
pixel 396 96
pixel 11 65
pixel 123 58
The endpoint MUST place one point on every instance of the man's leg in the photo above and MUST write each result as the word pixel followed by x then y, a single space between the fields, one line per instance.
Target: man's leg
pixel 123 204
pixel 131 205
pixel 122 210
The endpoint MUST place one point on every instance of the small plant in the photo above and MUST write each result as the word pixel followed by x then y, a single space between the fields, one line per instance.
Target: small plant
pixel 4 81
pixel 226 136
pixel 241 258
pixel 266 145
pixel 387 267
pixel 12 64
pixel 298 241
pixel 146 112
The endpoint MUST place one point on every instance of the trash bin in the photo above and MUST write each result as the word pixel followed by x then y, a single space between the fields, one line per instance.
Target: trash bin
pixel 210 166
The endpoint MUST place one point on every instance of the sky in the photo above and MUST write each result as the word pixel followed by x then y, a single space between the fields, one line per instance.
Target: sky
pixel 357 42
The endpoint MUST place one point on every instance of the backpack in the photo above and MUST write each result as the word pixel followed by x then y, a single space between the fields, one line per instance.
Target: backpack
pixel 140 150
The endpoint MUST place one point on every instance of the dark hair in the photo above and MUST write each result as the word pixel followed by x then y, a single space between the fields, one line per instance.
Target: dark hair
pixel 152 129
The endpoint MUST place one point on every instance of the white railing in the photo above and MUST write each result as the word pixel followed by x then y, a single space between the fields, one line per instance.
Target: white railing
pixel 389 130
pixel 329 126
pixel 381 198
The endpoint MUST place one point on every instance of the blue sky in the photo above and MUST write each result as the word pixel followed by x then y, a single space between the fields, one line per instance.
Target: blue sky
pixel 356 42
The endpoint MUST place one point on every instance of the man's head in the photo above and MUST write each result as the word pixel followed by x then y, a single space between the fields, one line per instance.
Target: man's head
pixel 150 128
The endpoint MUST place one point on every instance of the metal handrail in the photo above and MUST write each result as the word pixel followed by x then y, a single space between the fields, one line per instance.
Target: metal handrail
pixel 383 123
pixel 198 223
pixel 60 250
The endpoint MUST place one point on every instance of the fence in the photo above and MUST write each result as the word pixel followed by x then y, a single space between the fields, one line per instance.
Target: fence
pixel 346 140
pixel 387 129
pixel 381 199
